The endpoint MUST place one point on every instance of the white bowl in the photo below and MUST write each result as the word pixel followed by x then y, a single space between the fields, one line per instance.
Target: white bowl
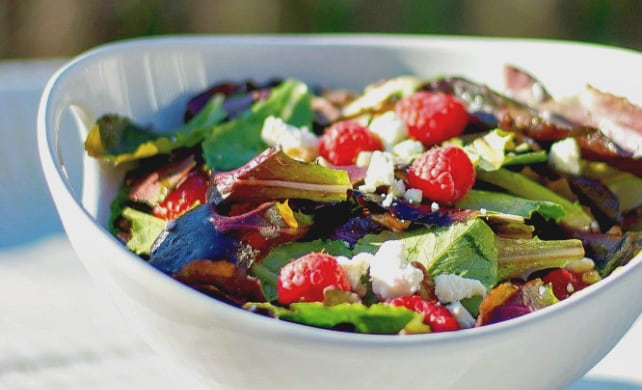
pixel 150 80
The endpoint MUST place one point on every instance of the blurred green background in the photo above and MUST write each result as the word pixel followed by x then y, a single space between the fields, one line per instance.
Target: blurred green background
pixel 53 28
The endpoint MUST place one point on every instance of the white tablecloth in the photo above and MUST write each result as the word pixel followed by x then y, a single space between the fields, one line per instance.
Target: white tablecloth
pixel 57 331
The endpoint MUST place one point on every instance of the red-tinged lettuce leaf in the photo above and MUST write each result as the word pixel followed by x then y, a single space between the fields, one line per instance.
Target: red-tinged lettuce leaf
pixel 153 188
pixel 267 270
pixel 379 318
pixel 235 142
pixel 510 204
pixel 202 233
pixel 273 175
pixel 466 249
pixel 239 97
pixel 221 279
pixel 117 139
pixel 512 301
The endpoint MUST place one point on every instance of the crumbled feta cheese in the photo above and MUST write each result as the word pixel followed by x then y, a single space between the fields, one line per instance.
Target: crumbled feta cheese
pixel 407 150
pixel 565 156
pixel 363 158
pixel 355 269
pixel 389 128
pixel 434 207
pixel 381 171
pixel 450 288
pixel 413 195
pixel 463 316
pixel 387 200
pixel 298 143
pixel 398 188
pixel 391 274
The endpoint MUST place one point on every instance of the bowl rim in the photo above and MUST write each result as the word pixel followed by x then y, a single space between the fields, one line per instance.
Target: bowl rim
pixel 47 145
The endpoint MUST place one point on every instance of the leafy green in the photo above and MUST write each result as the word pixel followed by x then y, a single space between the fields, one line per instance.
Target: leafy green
pixel 518 257
pixel 144 230
pixel 234 143
pixel 509 204
pixel 274 175
pixel 267 270
pixel 117 139
pixel 379 318
pixel 465 249
pixel 520 185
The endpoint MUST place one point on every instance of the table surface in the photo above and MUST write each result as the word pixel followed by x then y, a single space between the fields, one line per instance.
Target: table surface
pixel 57 331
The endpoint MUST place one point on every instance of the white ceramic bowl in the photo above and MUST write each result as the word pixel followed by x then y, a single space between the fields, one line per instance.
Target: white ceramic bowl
pixel 150 80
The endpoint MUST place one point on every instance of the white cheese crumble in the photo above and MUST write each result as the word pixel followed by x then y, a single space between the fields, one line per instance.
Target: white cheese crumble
pixel 463 316
pixel 391 274
pixel 450 288
pixel 389 128
pixel 298 143
pixel 381 171
pixel 363 158
pixel 565 156
pixel 398 188
pixel 355 268
pixel 407 150
pixel 413 195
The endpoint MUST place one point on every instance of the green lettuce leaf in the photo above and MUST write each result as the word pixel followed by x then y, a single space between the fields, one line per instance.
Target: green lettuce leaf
pixel 144 230
pixel 117 139
pixel 465 249
pixel 379 318
pixel 233 143
pixel 267 270
pixel 510 204
pixel 519 185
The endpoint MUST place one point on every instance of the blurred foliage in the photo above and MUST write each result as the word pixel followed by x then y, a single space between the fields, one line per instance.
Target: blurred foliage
pixel 43 28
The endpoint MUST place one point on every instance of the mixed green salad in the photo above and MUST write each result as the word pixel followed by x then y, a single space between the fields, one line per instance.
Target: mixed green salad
pixel 413 206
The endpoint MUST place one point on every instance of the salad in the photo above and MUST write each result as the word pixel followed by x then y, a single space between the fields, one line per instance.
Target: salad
pixel 413 206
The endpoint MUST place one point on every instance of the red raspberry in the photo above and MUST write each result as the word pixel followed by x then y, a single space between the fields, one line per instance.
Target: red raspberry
pixel 190 191
pixel 343 140
pixel 305 278
pixel 443 174
pixel 564 282
pixel 432 117
pixel 435 315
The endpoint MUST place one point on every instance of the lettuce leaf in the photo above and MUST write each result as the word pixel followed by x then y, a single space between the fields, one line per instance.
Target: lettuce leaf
pixel 509 204
pixel 274 175
pixel 117 139
pixel 144 231
pixel 466 249
pixel 379 318
pixel 234 143
pixel 521 186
